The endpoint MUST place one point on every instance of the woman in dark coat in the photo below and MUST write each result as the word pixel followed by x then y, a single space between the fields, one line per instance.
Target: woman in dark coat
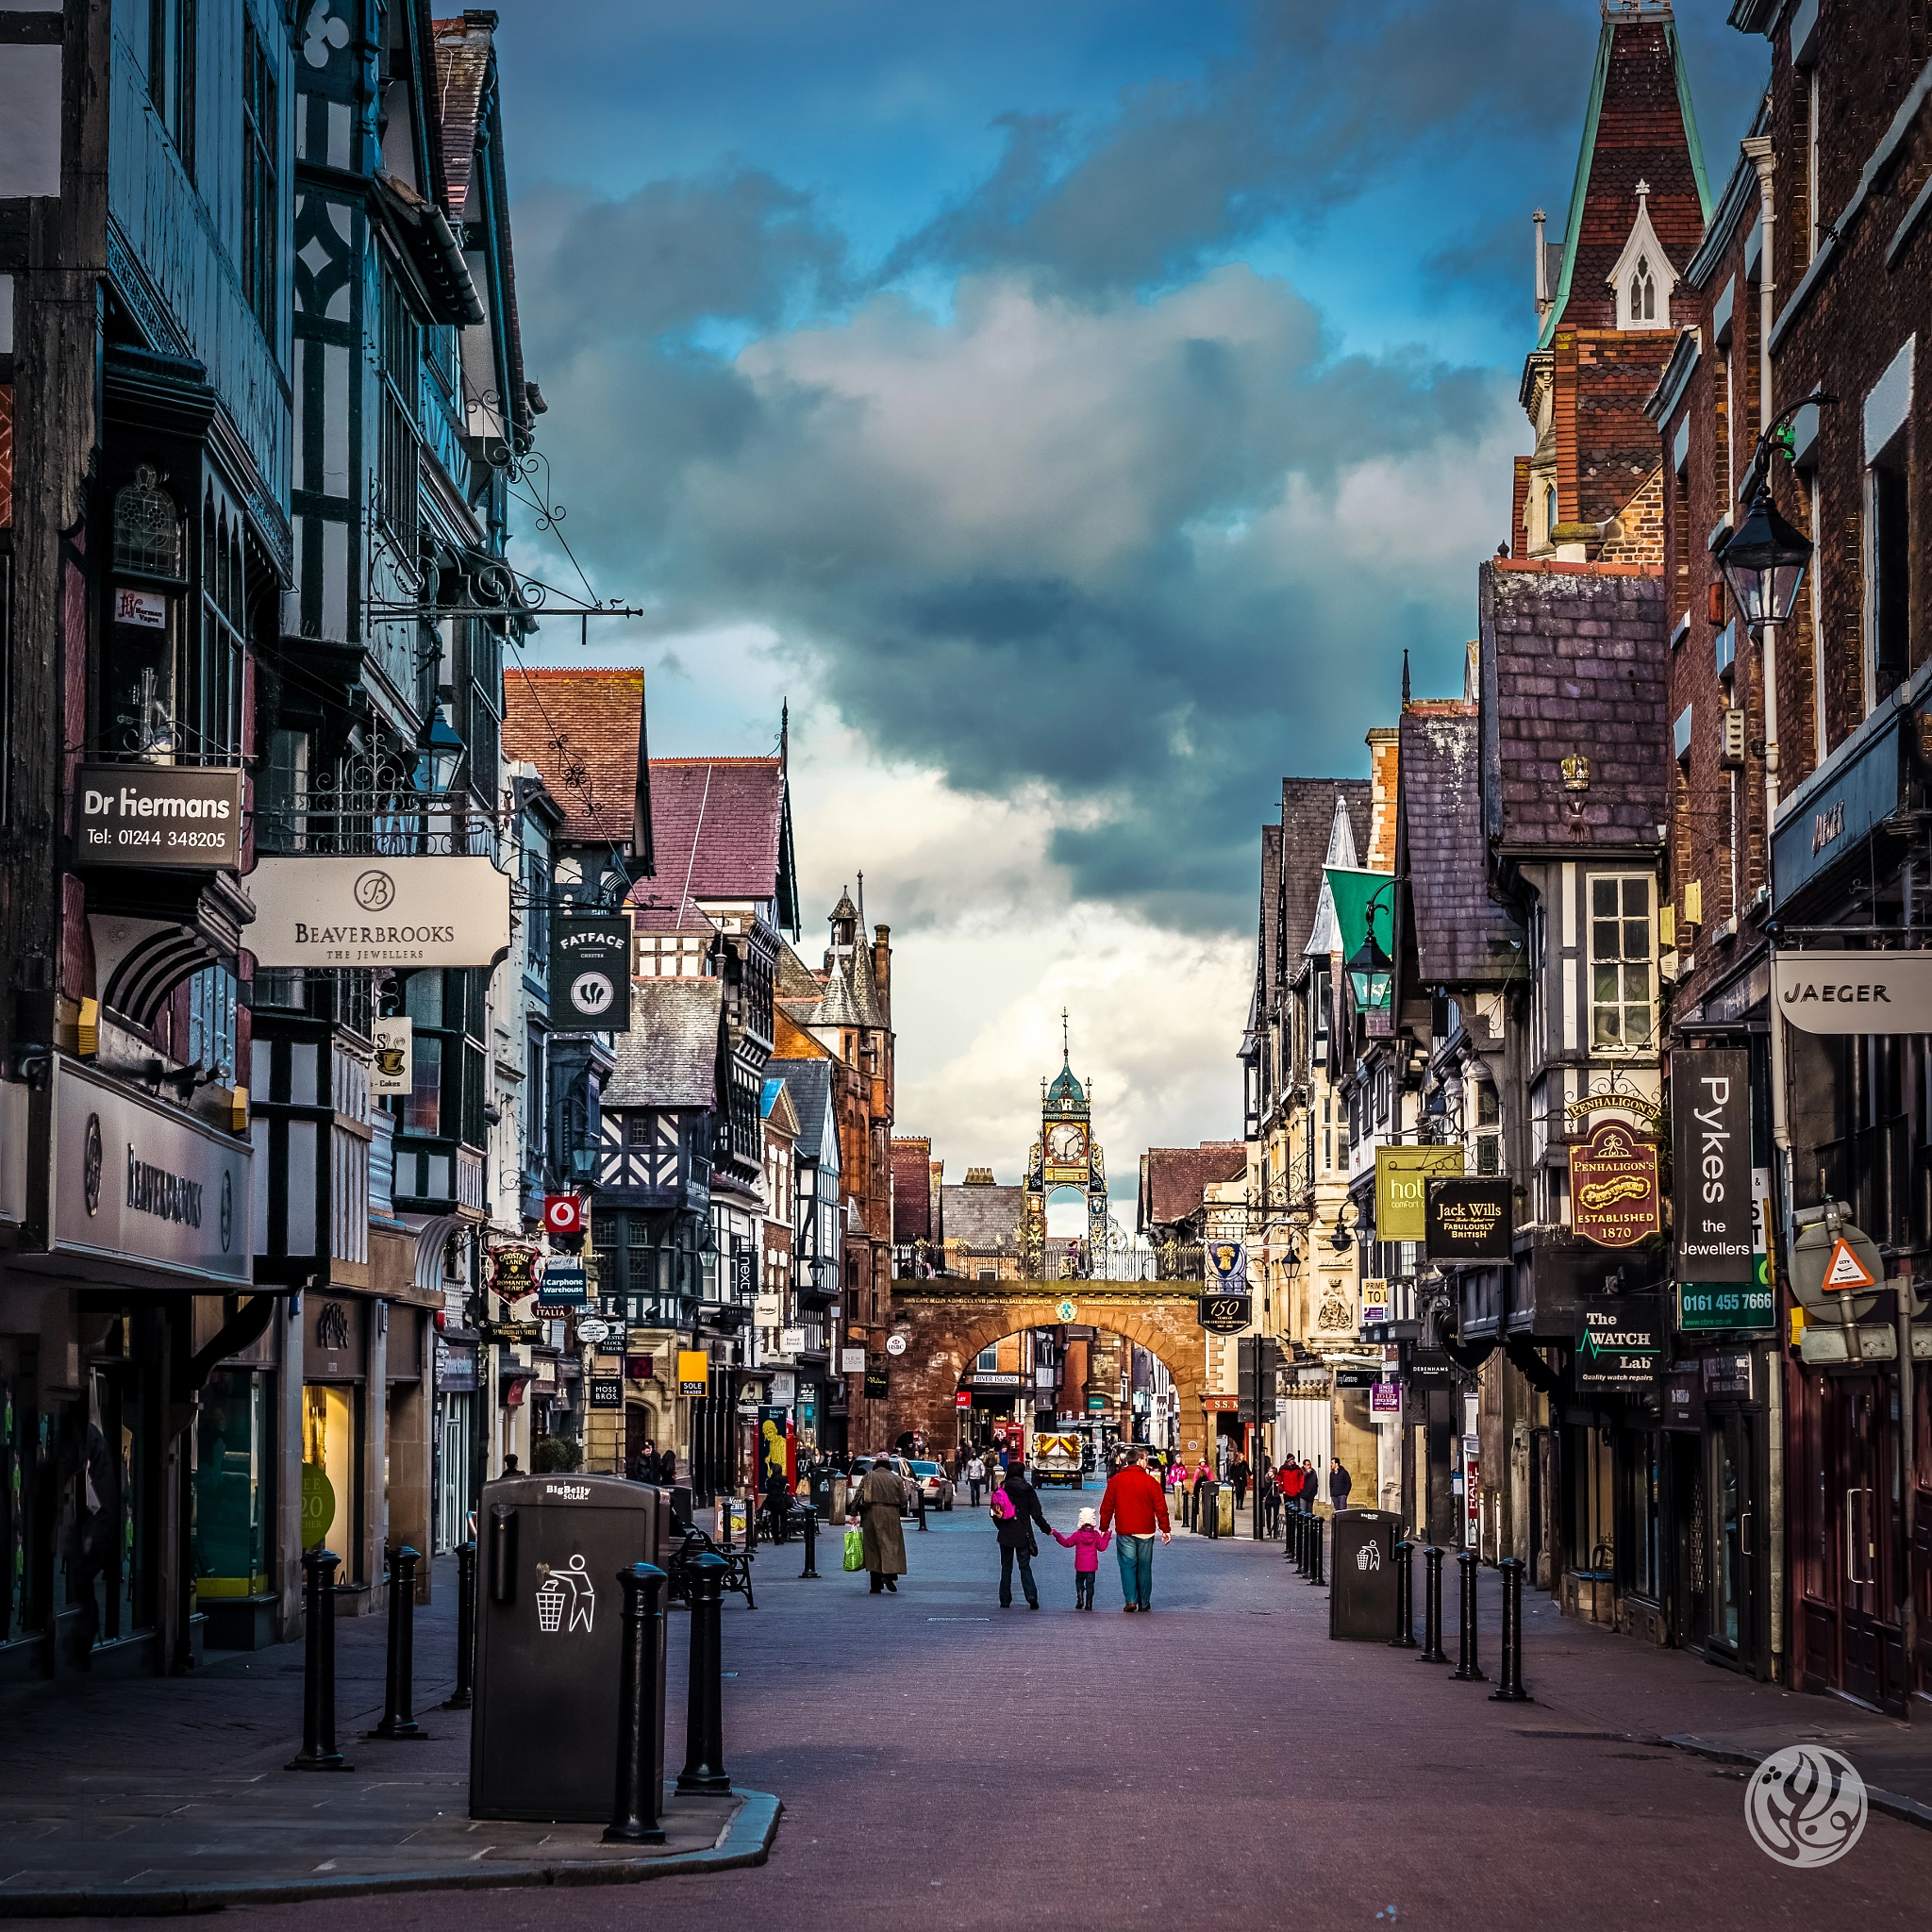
pixel 1017 1539
pixel 878 1501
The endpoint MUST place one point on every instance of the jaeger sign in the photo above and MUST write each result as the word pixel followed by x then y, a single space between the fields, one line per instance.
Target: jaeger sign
pixel 1854 992
pixel 1710 1107
pixel 378 911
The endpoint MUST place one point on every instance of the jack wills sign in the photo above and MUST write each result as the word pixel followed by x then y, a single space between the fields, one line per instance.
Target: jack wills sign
pixel 1468 1221
pixel 1711 1111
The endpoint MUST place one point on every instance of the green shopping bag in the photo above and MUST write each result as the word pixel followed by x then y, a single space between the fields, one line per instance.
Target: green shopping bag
pixel 855 1549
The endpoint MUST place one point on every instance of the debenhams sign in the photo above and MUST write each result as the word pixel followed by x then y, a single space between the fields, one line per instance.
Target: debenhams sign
pixel 378 911
pixel 1854 992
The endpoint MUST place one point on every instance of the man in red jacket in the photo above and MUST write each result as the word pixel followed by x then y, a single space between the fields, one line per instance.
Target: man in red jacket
pixel 1132 1507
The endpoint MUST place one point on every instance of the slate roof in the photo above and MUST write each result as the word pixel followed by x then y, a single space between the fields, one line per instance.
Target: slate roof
pixel 1174 1180
pixel 669 1059
pixel 1462 935
pixel 810 1085
pixel 912 1190
pixel 1573 660
pixel 985 1219
pixel 1307 821
pixel 796 981
pixel 1268 945
pixel 584 730
pixel 723 826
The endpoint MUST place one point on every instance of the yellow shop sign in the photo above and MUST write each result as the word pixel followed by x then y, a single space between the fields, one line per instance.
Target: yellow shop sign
pixel 1402 1175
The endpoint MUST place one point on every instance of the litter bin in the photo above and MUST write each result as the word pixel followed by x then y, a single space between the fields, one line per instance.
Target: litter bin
pixel 544 1732
pixel 1361 1575
pixel 1225 1510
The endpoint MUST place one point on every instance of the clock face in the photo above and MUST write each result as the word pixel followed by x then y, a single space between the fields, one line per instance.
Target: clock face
pixel 1066 1147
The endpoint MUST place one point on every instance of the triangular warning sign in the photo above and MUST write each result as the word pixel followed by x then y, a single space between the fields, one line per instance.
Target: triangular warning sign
pixel 1844 1270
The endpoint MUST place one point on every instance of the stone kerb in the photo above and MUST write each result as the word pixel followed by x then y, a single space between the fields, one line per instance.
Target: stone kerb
pixel 946 1325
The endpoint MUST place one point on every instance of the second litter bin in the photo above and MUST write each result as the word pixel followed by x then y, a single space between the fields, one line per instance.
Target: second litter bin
pixel 544 1733
pixel 1361 1575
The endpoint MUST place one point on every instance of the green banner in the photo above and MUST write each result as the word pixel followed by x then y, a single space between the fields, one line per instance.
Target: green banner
pixel 1354 894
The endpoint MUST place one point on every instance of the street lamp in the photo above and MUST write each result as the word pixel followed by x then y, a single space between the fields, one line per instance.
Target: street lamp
pixel 442 754
pixel 1763 561
pixel 1343 1240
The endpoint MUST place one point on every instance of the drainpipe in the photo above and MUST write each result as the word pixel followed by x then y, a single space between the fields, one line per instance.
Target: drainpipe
pixel 1758 150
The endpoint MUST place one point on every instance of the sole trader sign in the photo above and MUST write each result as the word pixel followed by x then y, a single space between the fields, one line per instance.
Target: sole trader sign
pixel 378 911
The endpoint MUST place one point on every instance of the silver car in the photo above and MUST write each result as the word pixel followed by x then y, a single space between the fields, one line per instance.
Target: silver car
pixel 932 1478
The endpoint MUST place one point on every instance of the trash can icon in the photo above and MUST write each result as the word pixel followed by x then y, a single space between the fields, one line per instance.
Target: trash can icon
pixel 550 1608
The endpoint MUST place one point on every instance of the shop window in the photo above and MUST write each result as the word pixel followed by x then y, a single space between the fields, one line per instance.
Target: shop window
pixel 231 1487
pixel 398 499
pixel 988 1359
pixel 1641 1529
pixel 1620 965
pixel 149 590
pixel 170 50
pixel 1889 605
pixel 330 1460
pixel 213 1000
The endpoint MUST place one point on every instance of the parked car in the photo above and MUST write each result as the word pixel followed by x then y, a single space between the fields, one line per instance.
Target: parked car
pixel 933 1479
pixel 900 1467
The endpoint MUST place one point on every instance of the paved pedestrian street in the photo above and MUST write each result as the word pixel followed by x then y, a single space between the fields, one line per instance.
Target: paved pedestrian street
pixel 942 1762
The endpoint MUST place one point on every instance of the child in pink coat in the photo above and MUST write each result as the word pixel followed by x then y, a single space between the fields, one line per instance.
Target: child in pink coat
pixel 1086 1543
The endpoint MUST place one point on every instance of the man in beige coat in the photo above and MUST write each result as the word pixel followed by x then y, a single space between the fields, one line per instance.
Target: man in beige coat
pixel 880 1498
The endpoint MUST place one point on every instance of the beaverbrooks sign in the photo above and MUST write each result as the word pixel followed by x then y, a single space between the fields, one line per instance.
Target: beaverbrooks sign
pixel 378 911
pixel 153 1190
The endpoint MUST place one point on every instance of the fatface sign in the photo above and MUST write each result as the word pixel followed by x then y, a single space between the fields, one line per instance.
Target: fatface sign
pixel 378 911
pixel 1620 1344
pixel 590 974
pixel 1402 1175
pixel 158 815
pixel 1467 1221
pixel 1613 1188
pixel 136 1182
pixel 1854 992
pixel 1710 1109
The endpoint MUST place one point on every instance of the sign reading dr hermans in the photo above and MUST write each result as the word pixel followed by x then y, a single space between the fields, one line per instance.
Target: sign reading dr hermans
pixel 158 815
pixel 378 911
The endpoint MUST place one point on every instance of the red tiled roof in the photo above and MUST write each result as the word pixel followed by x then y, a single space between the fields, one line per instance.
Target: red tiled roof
pixel 584 730
pixel 1174 1180
pixel 719 823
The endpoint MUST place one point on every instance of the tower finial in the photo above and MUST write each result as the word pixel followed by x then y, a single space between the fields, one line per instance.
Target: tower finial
pixel 1404 679
pixel 1065 1060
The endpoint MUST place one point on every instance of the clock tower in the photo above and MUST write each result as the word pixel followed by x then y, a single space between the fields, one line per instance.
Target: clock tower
pixel 1065 1155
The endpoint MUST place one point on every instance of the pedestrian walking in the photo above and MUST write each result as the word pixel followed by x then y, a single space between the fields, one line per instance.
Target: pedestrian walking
pixel 975 1478
pixel 1133 1505
pixel 1086 1543
pixel 1238 1474
pixel 1339 1483
pixel 881 1497
pixel 1017 1542
pixel 777 1502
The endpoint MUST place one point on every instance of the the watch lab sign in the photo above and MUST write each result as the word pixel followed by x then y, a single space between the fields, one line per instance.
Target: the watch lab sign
pixel 590 974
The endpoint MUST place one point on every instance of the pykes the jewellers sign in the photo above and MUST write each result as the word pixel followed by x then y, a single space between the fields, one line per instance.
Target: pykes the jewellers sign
pixel 378 911
pixel 158 815
pixel 133 1181
pixel 1710 1109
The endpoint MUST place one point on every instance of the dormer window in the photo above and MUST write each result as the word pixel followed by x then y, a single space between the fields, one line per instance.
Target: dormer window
pixel 1641 282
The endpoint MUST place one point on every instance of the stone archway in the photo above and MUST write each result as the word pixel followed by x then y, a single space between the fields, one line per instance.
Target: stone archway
pixel 946 1324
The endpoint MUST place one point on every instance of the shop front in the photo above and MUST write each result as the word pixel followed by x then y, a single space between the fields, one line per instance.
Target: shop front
pixel 124 1278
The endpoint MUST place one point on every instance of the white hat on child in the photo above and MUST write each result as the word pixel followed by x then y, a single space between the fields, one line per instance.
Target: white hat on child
pixel 1087 1519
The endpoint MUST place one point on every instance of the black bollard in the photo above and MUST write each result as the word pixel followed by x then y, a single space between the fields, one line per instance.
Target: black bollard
pixel 919 1495
pixel 1468 1671
pixel 1405 1595
pixel 1318 1531
pixel 318 1752
pixel 1301 1543
pixel 459 1699
pixel 812 1544
pixel 399 1675
pixel 634 1816
pixel 704 1714
pixel 1510 1690
pixel 1432 1652
pixel 1288 1513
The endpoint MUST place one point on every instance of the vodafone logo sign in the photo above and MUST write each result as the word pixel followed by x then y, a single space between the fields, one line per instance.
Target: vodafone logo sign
pixel 563 1214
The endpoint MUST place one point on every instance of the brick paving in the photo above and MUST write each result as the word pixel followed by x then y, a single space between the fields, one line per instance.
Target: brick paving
pixel 946 1763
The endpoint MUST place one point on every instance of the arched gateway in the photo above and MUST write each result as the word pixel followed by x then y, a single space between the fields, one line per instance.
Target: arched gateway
pixel 946 1322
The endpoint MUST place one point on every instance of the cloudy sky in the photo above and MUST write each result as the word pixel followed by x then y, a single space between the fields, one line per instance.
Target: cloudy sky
pixel 1076 412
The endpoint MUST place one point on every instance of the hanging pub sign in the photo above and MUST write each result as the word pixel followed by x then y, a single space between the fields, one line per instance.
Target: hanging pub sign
pixel 1613 1187
pixel 1710 1109
pixel 876 1387
pixel 1467 1221
pixel 393 1071
pixel 1854 992
pixel 158 815
pixel 1620 1344
pixel 1402 1175
pixel 1226 1314
pixel 590 974
pixel 513 1272
pixel 378 911
pixel 1227 1267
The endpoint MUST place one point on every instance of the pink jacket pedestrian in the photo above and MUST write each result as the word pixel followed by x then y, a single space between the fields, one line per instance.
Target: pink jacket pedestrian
pixel 1086 1543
